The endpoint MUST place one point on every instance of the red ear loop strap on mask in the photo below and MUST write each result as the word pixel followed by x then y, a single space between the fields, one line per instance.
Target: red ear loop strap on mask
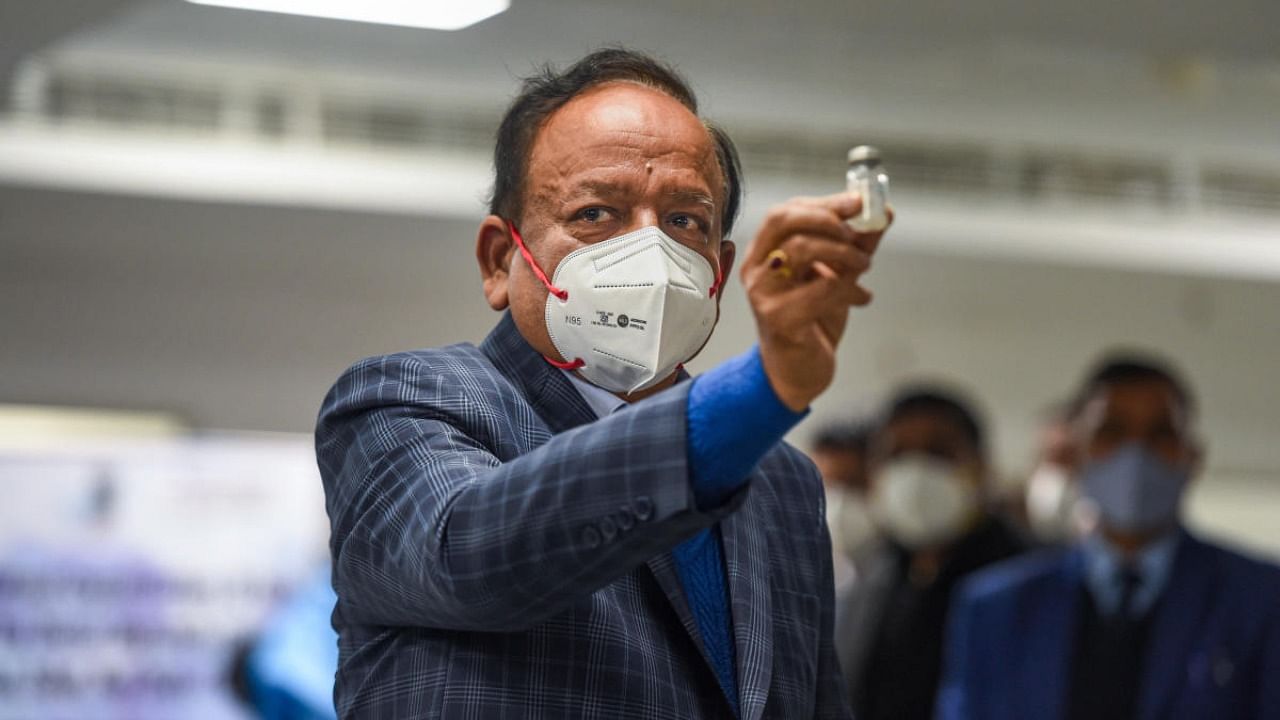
pixel 577 363
pixel 562 294
pixel 528 258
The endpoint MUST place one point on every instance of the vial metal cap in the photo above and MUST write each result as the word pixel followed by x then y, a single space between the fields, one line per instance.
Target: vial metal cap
pixel 864 154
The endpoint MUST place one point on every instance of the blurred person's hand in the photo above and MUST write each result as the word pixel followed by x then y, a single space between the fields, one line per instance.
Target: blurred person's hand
pixel 802 275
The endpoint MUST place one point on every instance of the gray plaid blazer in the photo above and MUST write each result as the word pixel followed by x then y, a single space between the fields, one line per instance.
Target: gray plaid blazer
pixel 498 552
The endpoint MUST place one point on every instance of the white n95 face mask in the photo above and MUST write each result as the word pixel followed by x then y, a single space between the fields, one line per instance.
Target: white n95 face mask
pixel 627 311
pixel 920 501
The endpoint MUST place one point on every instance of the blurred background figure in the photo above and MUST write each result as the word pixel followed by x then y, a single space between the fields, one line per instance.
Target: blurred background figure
pixel 929 497
pixel 840 452
pixel 1140 618
pixel 1050 499
pixel 287 671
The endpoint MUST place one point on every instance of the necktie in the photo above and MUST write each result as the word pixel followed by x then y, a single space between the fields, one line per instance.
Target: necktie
pixel 1130 582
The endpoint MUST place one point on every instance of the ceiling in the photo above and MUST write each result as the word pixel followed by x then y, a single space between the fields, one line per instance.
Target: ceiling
pixel 1210 72
pixel 710 30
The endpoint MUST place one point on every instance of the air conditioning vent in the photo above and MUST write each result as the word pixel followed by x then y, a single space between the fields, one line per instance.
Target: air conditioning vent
pixel 1232 188
pixel 958 168
pixel 404 126
pixel 267 111
pixel 1059 175
pixel 132 103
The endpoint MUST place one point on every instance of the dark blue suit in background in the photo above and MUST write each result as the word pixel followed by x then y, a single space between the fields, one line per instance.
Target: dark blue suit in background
pixel 501 553
pixel 1213 651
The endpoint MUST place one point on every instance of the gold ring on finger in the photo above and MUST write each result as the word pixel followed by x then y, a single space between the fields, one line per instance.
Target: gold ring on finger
pixel 778 263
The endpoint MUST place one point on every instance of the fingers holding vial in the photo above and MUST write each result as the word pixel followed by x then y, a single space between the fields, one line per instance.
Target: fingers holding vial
pixel 802 276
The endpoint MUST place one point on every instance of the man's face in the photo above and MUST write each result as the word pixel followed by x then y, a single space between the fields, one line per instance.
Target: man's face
pixel 612 160
pixel 930 434
pixel 1146 412
pixel 842 469
pixel 1058 444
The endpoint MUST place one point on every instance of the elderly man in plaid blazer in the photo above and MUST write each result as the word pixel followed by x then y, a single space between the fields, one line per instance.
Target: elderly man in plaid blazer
pixel 559 523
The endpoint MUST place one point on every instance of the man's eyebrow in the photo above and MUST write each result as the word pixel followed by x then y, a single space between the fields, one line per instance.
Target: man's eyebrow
pixel 605 188
pixel 597 187
pixel 696 196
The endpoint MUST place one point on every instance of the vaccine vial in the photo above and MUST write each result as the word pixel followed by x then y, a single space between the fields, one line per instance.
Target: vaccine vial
pixel 867 178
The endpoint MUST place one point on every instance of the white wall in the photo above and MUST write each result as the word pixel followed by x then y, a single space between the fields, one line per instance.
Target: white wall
pixel 240 317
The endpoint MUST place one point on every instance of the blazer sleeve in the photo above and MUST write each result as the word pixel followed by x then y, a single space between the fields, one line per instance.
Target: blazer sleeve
pixel 431 529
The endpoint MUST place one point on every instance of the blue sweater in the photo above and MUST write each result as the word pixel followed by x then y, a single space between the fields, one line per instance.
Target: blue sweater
pixel 734 419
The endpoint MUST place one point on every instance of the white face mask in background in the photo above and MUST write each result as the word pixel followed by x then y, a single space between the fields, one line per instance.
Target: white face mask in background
pixel 1053 499
pixel 920 501
pixel 626 312
pixel 849 520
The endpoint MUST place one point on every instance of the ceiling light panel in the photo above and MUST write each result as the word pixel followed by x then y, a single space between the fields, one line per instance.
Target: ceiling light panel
pixel 432 14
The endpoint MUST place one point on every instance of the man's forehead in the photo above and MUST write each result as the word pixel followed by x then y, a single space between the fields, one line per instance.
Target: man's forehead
pixel 606 126
pixel 922 428
pixel 1134 400
pixel 681 183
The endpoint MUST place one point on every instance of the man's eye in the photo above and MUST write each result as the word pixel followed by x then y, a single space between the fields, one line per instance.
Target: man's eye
pixel 687 222
pixel 592 214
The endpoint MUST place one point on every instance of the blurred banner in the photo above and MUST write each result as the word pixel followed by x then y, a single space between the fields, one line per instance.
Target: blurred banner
pixel 130 570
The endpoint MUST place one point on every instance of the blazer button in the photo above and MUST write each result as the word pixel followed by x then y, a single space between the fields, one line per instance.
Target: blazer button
pixel 591 537
pixel 608 528
pixel 625 518
pixel 643 507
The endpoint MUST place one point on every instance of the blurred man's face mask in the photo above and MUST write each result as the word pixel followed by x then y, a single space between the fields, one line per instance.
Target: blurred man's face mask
pixel 626 312
pixel 920 501
pixel 1134 490
pixel 1051 501
pixel 849 520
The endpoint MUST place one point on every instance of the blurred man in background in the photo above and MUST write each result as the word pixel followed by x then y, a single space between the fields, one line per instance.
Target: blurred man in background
pixel 286 672
pixel 840 452
pixel 1051 497
pixel 929 477
pixel 557 523
pixel 1140 619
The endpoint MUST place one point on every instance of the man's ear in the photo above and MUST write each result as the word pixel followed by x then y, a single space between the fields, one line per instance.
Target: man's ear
pixel 494 247
pixel 728 251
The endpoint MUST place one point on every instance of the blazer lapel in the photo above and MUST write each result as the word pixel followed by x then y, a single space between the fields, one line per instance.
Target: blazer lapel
pixel 746 553
pixel 663 568
pixel 552 395
pixel 746 558
pixel 1177 624
pixel 1044 686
